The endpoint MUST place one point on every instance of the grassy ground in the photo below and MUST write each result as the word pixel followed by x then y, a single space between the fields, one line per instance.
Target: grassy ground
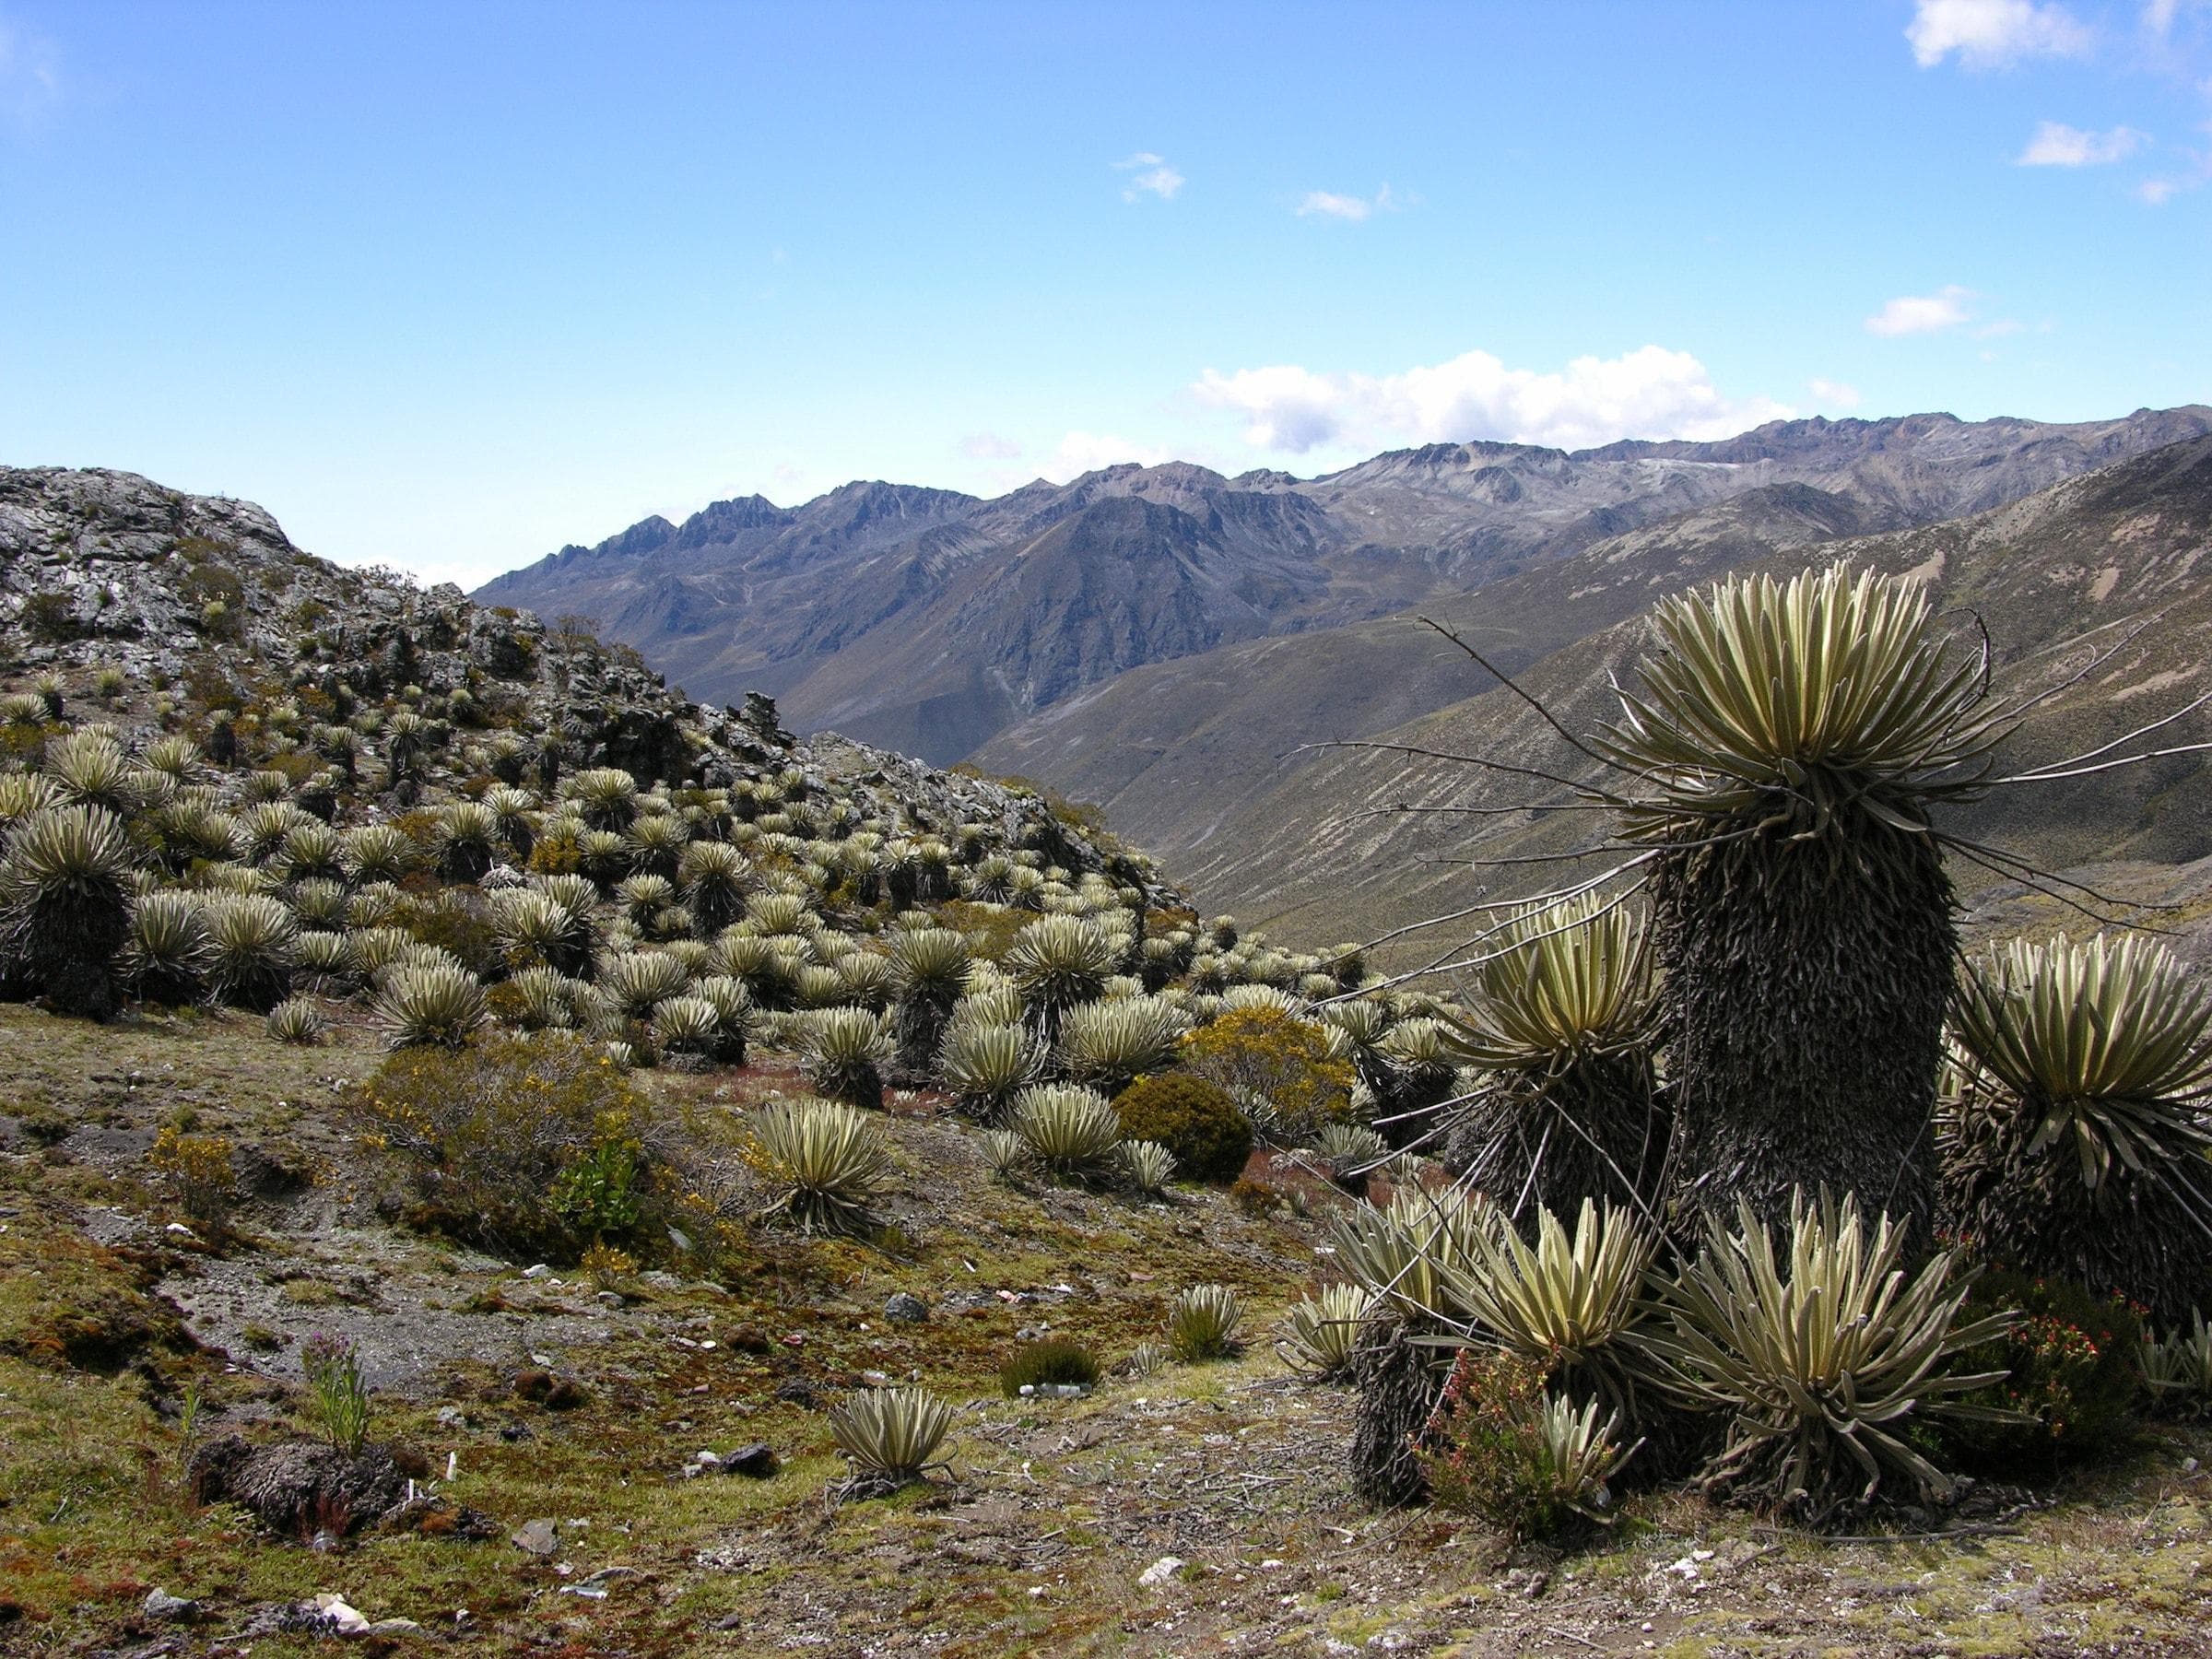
pixel 1033 1545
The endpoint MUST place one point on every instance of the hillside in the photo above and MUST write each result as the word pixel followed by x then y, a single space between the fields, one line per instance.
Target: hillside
pixel 2118 557
pixel 931 621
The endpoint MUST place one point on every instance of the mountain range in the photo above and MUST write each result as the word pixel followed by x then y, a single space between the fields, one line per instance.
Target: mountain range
pixel 1167 642
pixel 931 621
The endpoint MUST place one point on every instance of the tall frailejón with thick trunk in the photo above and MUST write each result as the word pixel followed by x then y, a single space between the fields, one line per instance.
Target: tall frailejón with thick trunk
pixel 1787 745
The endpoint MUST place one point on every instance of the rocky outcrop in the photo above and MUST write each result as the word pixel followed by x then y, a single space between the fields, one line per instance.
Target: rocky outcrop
pixel 210 599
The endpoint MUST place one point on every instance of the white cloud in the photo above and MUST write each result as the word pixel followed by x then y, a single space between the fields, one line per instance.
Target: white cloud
pixel 1650 393
pixel 2158 15
pixel 1834 394
pixel 1086 451
pixel 2057 145
pixel 2158 192
pixel 1329 204
pixel 31 74
pixel 989 446
pixel 1991 35
pixel 1922 313
pixel 1150 175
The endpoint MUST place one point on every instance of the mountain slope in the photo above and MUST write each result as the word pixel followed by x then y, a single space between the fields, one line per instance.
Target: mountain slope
pixel 933 620
pixel 1176 750
pixel 2121 559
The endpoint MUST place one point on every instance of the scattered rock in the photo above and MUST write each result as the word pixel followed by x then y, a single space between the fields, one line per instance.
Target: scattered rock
pixel 344 1620
pixel 756 1461
pixel 1160 1573
pixel 798 1391
pixel 160 1604
pixel 432 1516
pixel 905 1309
pixel 537 1270
pixel 539 1538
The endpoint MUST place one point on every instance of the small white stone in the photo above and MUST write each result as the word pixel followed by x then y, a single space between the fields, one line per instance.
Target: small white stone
pixel 1161 1572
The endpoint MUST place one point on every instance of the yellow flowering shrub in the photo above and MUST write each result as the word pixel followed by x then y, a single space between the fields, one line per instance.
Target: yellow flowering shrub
pixel 1284 1059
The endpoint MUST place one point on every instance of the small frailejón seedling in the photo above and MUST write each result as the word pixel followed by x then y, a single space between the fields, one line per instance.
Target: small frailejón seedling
pixel 891 1437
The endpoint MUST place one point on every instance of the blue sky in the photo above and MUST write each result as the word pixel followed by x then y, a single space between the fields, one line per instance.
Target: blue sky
pixel 447 286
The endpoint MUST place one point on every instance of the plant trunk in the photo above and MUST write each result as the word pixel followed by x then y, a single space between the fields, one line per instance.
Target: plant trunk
pixel 2144 1239
pixel 1598 1131
pixel 1806 985
pixel 1399 1381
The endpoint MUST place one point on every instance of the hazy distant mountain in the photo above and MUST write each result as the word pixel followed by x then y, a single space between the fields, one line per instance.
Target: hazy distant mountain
pixel 932 621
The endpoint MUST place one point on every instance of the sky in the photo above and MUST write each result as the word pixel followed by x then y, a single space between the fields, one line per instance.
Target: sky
pixel 445 287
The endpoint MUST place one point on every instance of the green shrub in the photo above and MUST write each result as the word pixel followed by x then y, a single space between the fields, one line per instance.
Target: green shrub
pixel 1049 1362
pixel 199 1170
pixel 336 1391
pixel 458 923
pixel 597 1194
pixel 51 618
pixel 2074 1372
pixel 484 1138
pixel 1497 1446
pixel 1194 1119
